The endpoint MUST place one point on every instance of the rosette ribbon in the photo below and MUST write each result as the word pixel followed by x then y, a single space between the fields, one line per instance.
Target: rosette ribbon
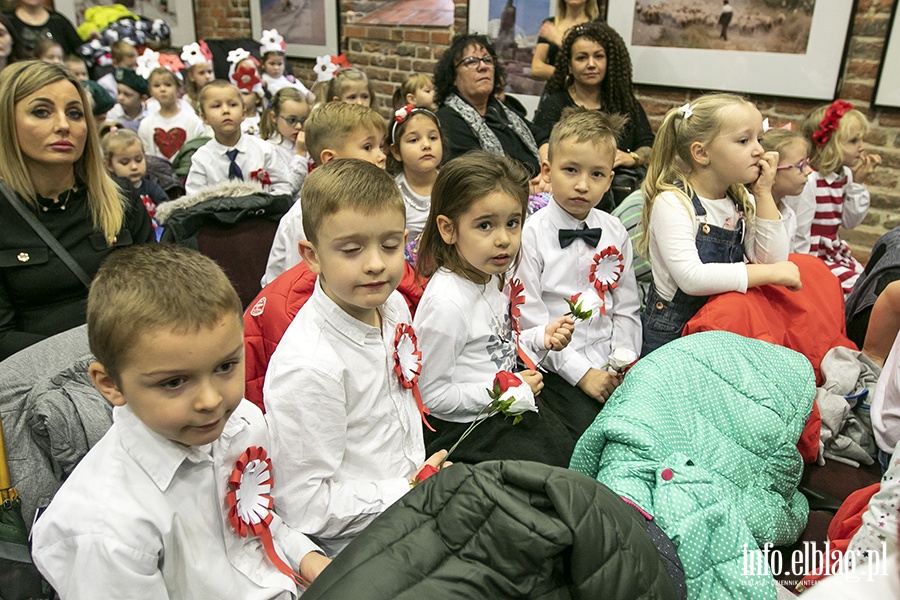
pixel 408 365
pixel 262 176
pixel 605 272
pixel 250 505
pixel 517 299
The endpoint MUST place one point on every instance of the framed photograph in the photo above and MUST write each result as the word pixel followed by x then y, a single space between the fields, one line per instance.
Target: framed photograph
pixel 792 48
pixel 179 14
pixel 887 91
pixel 514 28
pixel 309 27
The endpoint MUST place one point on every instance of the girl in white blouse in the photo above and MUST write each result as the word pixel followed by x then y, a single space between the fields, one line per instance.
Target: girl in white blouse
pixel 466 321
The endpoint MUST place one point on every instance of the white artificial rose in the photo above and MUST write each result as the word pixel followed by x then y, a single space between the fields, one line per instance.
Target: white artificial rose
pixel 621 358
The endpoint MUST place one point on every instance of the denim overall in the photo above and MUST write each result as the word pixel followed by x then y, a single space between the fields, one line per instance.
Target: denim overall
pixel 663 320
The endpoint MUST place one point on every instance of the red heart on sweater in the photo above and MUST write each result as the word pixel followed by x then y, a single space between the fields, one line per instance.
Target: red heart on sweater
pixel 169 142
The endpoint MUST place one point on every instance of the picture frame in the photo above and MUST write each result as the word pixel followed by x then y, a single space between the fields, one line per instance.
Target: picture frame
pixel 814 73
pixel 887 87
pixel 310 28
pixel 481 22
pixel 179 14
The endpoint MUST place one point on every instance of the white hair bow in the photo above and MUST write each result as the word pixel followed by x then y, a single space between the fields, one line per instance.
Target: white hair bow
pixel 686 111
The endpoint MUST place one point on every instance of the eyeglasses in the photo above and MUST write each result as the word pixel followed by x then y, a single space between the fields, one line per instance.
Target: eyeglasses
pixel 471 62
pixel 292 121
pixel 800 166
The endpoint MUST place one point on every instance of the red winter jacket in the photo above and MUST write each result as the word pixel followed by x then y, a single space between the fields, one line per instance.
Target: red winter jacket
pixel 276 306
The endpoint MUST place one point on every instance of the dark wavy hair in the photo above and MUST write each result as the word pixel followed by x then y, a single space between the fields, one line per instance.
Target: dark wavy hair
pixel 445 69
pixel 616 89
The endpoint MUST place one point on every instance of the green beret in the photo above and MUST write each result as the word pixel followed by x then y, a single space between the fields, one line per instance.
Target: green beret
pixel 101 101
pixel 129 78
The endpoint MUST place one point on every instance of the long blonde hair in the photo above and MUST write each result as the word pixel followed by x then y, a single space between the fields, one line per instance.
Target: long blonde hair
pixel 23 79
pixel 670 160
pixel 829 158
pixel 590 9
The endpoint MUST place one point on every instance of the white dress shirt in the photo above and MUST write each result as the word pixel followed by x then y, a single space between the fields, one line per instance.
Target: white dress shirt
pixel 552 274
pixel 297 165
pixel 274 84
pixel 466 337
pixel 144 517
pixel 886 402
pixel 417 207
pixel 210 165
pixel 285 252
pixel 117 115
pixel 673 250
pixel 345 435
pixel 855 205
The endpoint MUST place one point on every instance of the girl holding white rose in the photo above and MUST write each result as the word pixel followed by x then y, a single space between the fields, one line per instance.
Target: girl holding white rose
pixel 466 321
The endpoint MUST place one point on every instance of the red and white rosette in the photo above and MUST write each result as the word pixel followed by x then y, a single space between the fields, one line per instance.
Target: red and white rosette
pixel 262 176
pixel 517 299
pixel 605 272
pixel 408 365
pixel 250 505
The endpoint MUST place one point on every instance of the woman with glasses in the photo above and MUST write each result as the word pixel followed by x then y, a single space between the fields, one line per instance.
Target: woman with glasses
pixel 467 79
pixel 593 70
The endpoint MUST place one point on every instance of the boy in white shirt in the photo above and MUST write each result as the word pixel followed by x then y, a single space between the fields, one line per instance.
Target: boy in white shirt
pixel 146 513
pixel 569 248
pixel 333 130
pixel 131 99
pixel 232 154
pixel 346 432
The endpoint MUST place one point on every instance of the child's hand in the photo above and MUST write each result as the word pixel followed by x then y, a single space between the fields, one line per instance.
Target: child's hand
pixel 768 167
pixel 599 385
pixel 558 333
pixel 312 565
pixel 788 275
pixel 534 380
pixel 300 143
pixel 864 166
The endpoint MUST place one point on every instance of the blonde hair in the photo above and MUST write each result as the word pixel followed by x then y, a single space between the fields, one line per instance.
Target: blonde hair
pixel 413 84
pixel 44 45
pixel 190 86
pixel 584 125
pixel 162 71
pixel 347 183
pixel 144 287
pixel 213 85
pixel 121 50
pixel 117 141
pixel 590 9
pixel 462 182
pixel 830 157
pixel 329 125
pixel 777 140
pixel 23 79
pixel 671 161
pixel 267 126
pixel 341 81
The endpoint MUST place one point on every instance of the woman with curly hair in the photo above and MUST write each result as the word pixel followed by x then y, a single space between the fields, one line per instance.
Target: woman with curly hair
pixel 466 79
pixel 593 70
pixel 569 13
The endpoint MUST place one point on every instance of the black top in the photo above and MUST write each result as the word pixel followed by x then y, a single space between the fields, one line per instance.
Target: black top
pixel 57 28
pixel 39 295
pixel 460 137
pixel 554 49
pixel 637 132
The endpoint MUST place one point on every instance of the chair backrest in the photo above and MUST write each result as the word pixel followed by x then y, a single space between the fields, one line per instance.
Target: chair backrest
pixel 241 250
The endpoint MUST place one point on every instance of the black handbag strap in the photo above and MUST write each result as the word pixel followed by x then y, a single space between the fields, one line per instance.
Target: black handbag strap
pixel 48 238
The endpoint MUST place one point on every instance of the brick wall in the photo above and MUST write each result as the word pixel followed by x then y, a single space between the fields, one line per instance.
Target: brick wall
pixel 388 54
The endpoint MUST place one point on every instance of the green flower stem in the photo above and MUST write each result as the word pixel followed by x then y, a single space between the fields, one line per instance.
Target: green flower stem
pixel 466 433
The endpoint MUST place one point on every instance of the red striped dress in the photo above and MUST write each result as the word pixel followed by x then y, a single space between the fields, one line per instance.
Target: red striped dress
pixel 823 234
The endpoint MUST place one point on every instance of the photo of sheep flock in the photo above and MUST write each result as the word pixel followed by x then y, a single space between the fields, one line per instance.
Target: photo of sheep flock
pixel 780 26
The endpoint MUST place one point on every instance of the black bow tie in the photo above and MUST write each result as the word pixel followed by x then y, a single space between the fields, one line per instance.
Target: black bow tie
pixel 590 236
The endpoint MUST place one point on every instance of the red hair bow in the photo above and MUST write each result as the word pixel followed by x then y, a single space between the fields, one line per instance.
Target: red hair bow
pixel 830 121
